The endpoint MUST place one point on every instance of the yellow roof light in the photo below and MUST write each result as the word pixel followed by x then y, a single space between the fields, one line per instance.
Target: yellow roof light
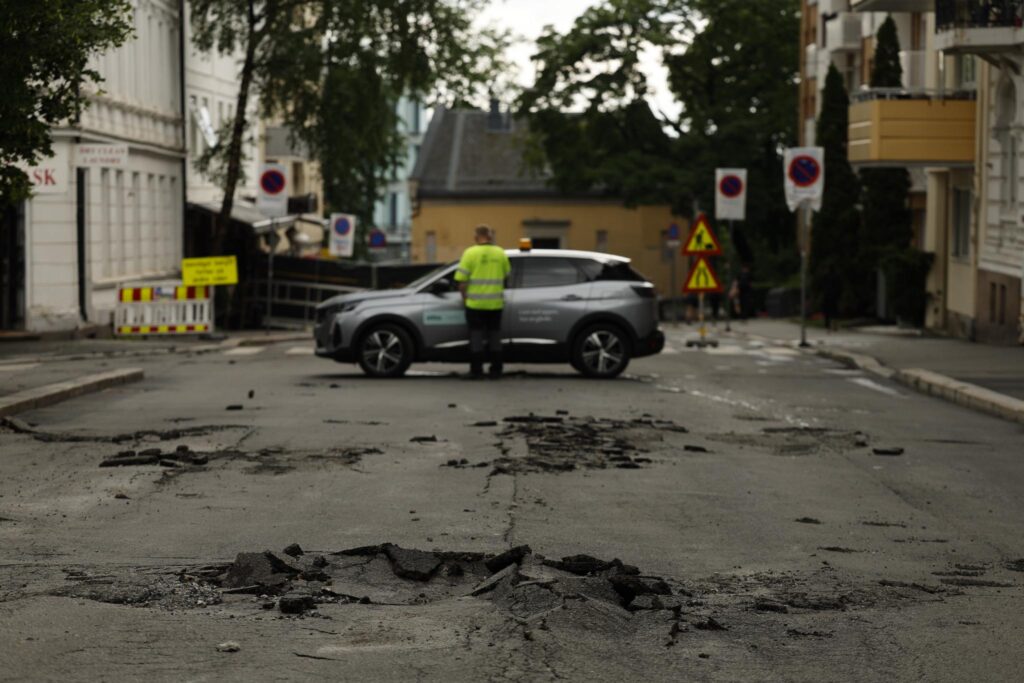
pixel 525 244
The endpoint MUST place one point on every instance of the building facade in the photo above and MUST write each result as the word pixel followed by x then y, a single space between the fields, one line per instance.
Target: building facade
pixel 985 249
pixel 471 171
pixel 393 212
pixel 108 206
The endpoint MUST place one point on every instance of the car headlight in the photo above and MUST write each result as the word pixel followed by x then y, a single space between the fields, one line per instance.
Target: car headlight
pixel 328 312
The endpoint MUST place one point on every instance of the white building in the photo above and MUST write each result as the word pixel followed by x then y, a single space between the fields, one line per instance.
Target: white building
pixel 393 213
pixel 211 94
pixel 98 220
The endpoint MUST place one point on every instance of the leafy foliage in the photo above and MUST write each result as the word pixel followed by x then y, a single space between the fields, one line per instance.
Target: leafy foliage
pixel 333 72
pixel 735 90
pixel 45 75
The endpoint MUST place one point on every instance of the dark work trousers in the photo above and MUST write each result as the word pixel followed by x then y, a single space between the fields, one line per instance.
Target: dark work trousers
pixel 484 333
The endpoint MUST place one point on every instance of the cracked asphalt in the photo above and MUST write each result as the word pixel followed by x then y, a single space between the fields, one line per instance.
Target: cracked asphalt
pixel 786 518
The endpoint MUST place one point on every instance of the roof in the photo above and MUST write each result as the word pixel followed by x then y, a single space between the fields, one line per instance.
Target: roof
pixel 568 253
pixel 248 215
pixel 465 156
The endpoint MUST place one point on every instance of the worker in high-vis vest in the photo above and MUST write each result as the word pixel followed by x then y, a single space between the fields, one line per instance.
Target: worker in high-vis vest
pixel 481 277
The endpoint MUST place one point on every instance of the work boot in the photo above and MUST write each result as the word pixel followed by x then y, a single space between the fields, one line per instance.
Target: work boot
pixel 496 370
pixel 476 367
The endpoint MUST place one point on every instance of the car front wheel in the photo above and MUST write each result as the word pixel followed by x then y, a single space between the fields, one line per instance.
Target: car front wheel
pixel 385 351
pixel 601 351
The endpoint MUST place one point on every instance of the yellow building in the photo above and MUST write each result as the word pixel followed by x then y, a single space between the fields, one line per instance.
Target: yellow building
pixel 471 171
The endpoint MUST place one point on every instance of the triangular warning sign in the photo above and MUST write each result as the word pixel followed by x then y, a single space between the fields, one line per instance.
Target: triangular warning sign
pixel 702 240
pixel 702 278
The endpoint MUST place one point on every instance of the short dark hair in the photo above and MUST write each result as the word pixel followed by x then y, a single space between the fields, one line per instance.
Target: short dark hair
pixel 484 231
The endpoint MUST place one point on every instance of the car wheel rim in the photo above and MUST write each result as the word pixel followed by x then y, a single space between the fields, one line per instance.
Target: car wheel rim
pixel 602 352
pixel 382 351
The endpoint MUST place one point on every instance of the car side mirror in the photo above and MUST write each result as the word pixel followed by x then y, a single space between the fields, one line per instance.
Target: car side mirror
pixel 442 286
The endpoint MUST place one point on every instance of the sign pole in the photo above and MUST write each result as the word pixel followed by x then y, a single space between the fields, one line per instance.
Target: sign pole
pixel 731 277
pixel 700 314
pixel 805 238
pixel 270 290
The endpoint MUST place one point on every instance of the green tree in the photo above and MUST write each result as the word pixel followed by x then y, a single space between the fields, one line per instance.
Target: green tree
pixel 836 229
pixel 333 70
pixel 888 228
pixel 735 89
pixel 45 75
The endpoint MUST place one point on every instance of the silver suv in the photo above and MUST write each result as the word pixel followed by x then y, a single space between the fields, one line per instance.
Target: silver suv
pixel 586 308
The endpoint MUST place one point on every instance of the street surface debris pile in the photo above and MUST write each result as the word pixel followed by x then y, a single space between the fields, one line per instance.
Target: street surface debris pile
pixel 797 440
pixel 561 443
pixel 519 580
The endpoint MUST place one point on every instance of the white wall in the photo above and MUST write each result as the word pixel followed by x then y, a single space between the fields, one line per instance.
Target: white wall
pixel 1001 247
pixel 133 213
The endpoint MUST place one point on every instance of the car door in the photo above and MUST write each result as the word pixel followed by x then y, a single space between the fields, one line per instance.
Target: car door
pixel 549 294
pixel 443 319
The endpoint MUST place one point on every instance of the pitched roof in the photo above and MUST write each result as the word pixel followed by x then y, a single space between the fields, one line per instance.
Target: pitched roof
pixel 465 155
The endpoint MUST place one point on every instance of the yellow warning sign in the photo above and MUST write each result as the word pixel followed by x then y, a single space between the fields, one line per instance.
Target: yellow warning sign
pixel 702 240
pixel 702 278
pixel 212 270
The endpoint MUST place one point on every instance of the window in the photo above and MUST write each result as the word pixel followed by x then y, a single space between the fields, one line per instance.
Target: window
pixel 548 272
pixel 601 241
pixel 431 254
pixel 961 223
pixel 393 210
pixel 596 271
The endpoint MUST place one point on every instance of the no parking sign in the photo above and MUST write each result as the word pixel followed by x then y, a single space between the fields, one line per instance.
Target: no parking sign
pixel 731 194
pixel 804 169
pixel 343 230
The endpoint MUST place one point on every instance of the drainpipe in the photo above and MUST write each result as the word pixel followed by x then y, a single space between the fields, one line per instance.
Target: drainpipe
pixel 184 120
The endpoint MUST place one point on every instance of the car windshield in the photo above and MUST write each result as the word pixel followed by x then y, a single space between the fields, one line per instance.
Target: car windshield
pixel 416 284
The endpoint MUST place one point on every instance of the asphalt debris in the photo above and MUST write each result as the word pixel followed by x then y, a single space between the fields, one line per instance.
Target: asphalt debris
pixel 807 520
pixel 559 443
pixel 890 451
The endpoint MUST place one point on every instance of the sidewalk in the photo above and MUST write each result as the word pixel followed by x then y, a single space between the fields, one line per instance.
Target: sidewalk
pixel 962 371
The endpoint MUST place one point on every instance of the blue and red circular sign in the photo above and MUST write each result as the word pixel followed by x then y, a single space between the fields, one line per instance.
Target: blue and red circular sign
pixel 731 186
pixel 378 240
pixel 804 171
pixel 343 226
pixel 272 181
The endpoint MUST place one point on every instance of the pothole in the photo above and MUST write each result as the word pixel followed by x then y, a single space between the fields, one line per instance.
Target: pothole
pixel 797 441
pixel 561 443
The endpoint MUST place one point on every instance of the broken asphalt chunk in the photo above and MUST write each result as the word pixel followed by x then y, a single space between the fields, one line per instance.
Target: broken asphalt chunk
pixel 424 439
pixel 417 565
pixel 295 603
pixel 513 556
pixel 492 581
pixel 896 450
pixel 629 587
pixel 294 550
pixel 131 461
pixel 254 569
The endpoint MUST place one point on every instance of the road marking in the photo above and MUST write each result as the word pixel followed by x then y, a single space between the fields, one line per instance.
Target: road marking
pixel 18 368
pixel 245 351
pixel 871 384
pixel 299 351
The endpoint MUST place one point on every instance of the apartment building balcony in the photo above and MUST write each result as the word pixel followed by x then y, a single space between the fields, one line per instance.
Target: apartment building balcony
pixel 892 5
pixel 833 6
pixel 903 127
pixel 843 33
pixel 979 27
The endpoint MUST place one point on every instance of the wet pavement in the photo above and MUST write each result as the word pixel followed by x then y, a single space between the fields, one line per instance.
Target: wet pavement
pixel 740 513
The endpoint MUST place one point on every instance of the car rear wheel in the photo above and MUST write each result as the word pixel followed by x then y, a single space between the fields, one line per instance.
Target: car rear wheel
pixel 602 351
pixel 385 351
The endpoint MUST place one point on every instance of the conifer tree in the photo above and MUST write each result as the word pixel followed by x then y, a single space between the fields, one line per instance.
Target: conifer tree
pixel 888 230
pixel 836 228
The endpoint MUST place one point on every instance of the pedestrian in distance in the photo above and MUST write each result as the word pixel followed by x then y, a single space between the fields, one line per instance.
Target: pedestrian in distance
pixel 481 277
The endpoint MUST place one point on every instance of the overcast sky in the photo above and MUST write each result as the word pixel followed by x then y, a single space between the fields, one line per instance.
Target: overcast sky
pixel 527 18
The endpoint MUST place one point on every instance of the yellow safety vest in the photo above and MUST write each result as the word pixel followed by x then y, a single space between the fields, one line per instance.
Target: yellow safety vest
pixel 484 268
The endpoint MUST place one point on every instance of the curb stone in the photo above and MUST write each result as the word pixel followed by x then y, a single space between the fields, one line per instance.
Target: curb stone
pixel 962 393
pixel 925 381
pixel 40 397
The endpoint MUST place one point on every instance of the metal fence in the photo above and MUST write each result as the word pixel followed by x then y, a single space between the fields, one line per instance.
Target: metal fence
pixel 952 14
pixel 870 94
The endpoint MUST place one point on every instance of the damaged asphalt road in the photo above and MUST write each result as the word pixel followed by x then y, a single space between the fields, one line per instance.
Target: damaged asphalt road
pixel 715 518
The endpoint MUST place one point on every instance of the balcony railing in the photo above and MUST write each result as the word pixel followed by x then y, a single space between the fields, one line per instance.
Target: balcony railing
pixel 954 14
pixel 872 94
